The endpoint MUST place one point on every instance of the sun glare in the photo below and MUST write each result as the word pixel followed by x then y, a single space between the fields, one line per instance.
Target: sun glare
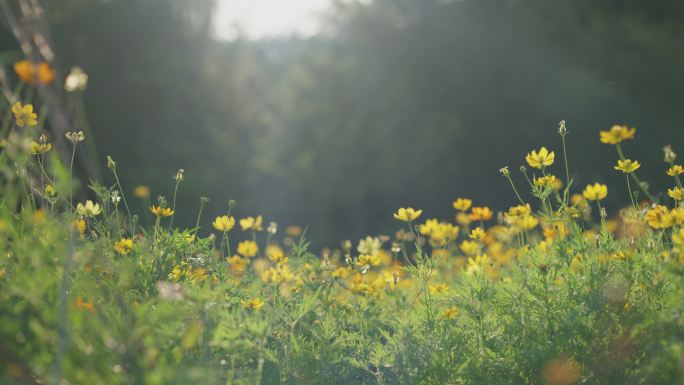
pixel 257 19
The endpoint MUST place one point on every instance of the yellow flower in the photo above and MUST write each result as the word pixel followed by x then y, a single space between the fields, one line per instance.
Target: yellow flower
pixel 79 225
pixel 276 254
pixel 340 272
pixel 676 193
pixel 407 214
pixel 24 115
pixel 50 191
pixel 40 148
pixel 224 223
pixel 527 222
pixel 280 274
pixel 462 204
pixel 477 264
pixel 627 166
pixel 478 234
pixel 440 288
pixel 366 261
pixel 541 159
pixel 595 192
pixel 40 74
pixel 450 313
pixel 675 170
pixel 252 304
pixel 469 247
pixel 293 231
pixel 617 134
pixel 248 249
pixel 463 219
pixel 677 216
pixel 519 211
pixel 658 217
pixel 124 246
pixel 89 209
pixel 369 245
pixel 546 180
pixel 142 192
pixel 678 238
pixel 480 214
pixel 161 211
pixel 252 223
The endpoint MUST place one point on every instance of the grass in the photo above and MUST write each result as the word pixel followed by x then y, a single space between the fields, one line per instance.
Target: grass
pixel 554 291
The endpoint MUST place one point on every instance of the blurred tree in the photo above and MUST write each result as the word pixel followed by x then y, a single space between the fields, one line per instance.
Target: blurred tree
pixel 396 102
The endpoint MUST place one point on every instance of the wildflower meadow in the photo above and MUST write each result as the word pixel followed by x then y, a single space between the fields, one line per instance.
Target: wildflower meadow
pixel 341 192
pixel 555 290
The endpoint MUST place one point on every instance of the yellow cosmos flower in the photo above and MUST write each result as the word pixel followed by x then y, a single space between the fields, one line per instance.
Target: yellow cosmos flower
pixel 546 180
pixel 462 204
pixel 252 304
pixel 463 219
pixel 248 249
pixel 677 216
pixel 79 225
pixel 627 166
pixel 480 214
pixel 24 115
pixel 224 223
pixel 519 211
pixel 277 275
pixel 40 148
pixel 678 238
pixel 366 261
pixel 676 193
pixel 276 254
pixel 595 192
pixel 340 272
pixel 161 211
pixel 469 247
pixel 450 313
pixel 477 264
pixel 441 288
pixel 527 222
pixel 293 231
pixel 34 74
pixel 478 234
pixel 658 217
pixel 124 246
pixel 89 209
pixel 675 170
pixel 617 134
pixel 407 214
pixel 541 159
pixel 142 192
pixel 252 223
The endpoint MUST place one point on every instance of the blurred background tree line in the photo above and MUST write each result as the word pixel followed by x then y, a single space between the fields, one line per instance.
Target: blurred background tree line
pixel 393 103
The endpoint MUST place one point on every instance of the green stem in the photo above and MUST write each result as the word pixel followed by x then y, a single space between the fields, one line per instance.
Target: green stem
pixel 634 177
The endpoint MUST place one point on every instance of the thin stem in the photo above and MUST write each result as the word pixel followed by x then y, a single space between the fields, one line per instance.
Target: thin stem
pixel 514 189
pixel 565 159
pixel 71 171
pixel 629 188
pixel 199 216
pixel 634 177
pixel 173 206
pixel 123 197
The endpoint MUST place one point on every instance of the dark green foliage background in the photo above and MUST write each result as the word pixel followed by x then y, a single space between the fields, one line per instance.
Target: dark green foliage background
pixel 398 102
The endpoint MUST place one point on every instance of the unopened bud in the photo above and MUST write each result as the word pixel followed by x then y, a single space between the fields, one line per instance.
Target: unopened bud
pixel 111 164
pixel 669 155
pixel 561 128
